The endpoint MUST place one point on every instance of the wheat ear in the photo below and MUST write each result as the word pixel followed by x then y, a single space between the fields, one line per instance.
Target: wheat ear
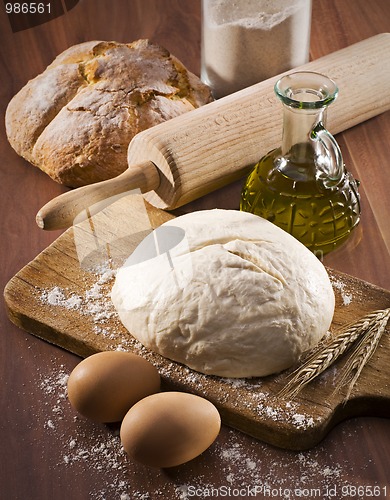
pixel 320 358
pixel 362 352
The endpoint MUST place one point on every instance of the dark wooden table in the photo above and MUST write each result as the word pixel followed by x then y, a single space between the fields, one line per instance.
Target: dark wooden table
pixel 46 452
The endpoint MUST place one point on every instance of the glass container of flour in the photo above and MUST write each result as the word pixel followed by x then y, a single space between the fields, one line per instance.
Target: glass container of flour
pixel 247 41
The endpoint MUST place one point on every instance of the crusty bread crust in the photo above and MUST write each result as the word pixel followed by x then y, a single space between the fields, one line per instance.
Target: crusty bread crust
pixel 76 119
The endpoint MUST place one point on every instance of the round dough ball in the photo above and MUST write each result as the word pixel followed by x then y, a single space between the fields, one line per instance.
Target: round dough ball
pixel 75 120
pixel 226 293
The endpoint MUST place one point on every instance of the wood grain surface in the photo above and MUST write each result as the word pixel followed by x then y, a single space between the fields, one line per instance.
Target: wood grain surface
pixel 46 451
pixel 62 298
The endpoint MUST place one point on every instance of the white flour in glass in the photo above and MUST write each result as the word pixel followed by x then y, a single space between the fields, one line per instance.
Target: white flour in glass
pixel 247 41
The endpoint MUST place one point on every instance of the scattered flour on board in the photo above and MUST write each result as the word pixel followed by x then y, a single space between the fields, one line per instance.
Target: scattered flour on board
pixel 94 302
pixel 340 286
pixel 248 392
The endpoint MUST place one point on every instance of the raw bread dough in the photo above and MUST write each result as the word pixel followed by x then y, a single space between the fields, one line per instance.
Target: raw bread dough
pixel 226 293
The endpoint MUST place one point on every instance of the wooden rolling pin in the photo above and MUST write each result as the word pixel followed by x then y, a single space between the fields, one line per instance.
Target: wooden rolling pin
pixel 189 156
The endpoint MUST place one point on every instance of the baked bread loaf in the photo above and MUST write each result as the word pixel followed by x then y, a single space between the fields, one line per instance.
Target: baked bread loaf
pixel 226 293
pixel 76 119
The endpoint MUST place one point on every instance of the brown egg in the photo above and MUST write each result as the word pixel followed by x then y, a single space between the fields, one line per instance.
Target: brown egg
pixel 169 428
pixel 105 385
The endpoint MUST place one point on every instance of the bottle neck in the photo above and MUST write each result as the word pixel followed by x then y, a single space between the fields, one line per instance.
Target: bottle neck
pixel 298 125
pixel 308 150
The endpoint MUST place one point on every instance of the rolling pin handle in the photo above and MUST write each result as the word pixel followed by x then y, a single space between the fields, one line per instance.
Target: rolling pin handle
pixel 61 212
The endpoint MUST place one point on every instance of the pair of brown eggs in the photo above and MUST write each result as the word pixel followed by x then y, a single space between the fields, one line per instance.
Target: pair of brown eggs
pixel 159 429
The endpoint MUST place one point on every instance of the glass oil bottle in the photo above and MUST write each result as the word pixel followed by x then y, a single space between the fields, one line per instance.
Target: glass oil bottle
pixel 303 186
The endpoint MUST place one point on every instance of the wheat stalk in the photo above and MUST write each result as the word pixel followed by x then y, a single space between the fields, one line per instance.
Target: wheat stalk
pixel 369 330
pixel 362 352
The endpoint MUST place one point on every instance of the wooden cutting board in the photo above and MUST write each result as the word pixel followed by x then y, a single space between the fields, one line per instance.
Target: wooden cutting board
pixel 62 296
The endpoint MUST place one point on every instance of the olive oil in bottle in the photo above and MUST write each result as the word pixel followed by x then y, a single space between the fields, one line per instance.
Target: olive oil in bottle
pixel 303 186
pixel 322 218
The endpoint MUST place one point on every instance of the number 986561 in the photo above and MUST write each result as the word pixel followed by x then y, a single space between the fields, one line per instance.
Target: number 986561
pixel 27 8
